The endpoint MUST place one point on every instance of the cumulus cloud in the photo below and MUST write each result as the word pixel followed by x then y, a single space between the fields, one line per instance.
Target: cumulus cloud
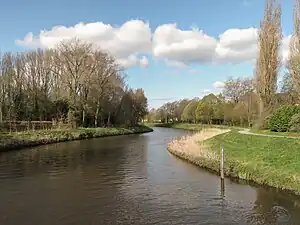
pixel 237 45
pixel 218 84
pixel 124 42
pixel 133 60
pixel 184 46
pixel 131 41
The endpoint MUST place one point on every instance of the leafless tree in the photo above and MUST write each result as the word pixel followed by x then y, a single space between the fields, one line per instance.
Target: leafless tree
pixel 75 80
pixel 235 88
pixel 268 60
pixel 293 63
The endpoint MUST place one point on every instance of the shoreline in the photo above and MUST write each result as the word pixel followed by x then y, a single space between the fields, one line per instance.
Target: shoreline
pixel 203 154
pixel 21 140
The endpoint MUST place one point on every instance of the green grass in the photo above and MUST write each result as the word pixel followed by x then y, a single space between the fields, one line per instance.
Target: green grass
pixel 265 160
pixel 9 141
pixel 268 161
pixel 189 126
pixel 286 134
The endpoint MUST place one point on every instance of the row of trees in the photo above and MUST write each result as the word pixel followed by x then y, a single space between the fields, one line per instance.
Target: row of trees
pixel 75 83
pixel 251 100
pixel 238 104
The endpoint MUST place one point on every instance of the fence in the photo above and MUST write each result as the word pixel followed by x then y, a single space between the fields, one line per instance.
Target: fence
pixel 16 126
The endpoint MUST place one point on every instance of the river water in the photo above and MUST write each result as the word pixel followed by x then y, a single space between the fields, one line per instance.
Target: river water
pixel 128 180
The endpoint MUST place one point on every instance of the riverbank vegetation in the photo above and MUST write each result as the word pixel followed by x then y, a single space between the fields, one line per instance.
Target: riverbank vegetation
pixel 265 160
pixel 72 91
pixel 189 126
pixel 15 140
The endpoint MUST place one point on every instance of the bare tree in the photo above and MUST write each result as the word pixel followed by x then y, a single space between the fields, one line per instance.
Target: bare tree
pixel 293 64
pixel 75 80
pixel 268 60
pixel 235 88
pixel 107 77
pixel 73 59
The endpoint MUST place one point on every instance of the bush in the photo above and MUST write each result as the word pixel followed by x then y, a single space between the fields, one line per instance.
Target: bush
pixel 280 120
pixel 295 123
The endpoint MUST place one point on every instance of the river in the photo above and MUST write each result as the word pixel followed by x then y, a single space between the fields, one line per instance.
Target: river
pixel 128 180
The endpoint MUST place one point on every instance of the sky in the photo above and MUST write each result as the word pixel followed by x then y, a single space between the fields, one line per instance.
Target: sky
pixel 171 49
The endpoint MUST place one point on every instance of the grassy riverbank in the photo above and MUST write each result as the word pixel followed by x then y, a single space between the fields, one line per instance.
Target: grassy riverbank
pixel 198 127
pixel 268 161
pixel 33 138
pixel 189 126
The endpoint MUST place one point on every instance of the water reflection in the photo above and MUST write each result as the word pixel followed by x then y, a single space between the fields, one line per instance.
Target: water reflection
pixel 128 180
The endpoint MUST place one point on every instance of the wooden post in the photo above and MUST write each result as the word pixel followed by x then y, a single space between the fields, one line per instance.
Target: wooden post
pixel 222 173
pixel 222 164
pixel 222 188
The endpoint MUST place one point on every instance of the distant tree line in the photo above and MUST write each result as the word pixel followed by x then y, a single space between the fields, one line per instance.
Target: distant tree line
pixel 75 84
pixel 237 105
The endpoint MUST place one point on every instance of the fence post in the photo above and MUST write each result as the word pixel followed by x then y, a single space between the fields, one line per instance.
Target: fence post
pixel 222 173
pixel 222 164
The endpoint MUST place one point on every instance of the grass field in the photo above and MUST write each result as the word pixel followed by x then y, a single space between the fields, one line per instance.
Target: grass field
pixel 269 161
pixel 286 134
pixel 265 160
pixel 16 140
pixel 189 126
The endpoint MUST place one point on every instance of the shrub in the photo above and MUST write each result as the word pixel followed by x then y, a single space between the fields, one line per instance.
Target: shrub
pixel 295 123
pixel 280 120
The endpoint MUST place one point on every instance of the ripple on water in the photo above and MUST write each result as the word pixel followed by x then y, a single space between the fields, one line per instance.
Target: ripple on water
pixel 127 180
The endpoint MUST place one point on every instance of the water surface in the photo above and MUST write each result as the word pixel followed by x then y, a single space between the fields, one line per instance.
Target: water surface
pixel 128 180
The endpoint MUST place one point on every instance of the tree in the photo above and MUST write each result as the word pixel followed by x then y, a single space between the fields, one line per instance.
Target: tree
pixel 268 60
pixel 204 112
pixel 74 81
pixel 292 79
pixel 235 88
pixel 287 89
pixel 180 105
pixel 189 112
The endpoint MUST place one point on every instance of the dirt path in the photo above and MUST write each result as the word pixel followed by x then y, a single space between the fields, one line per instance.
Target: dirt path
pixel 248 132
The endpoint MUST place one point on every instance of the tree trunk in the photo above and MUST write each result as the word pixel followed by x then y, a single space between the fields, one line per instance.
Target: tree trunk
pixel 83 116
pixel 97 113
pixel 108 119
pixel 1 115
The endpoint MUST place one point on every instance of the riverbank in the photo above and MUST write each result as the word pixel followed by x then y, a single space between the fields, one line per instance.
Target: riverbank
pixel 198 127
pixel 268 161
pixel 189 126
pixel 19 140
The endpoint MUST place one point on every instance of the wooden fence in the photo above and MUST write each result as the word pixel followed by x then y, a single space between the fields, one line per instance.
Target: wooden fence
pixel 15 126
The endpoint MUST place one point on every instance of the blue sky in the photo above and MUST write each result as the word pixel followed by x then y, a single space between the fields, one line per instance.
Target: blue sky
pixel 160 80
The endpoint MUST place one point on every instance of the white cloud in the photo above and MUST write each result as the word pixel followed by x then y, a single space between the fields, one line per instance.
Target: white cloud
pixel 237 45
pixel 123 42
pixel 133 60
pixel 218 84
pixel 285 48
pixel 144 62
pixel 206 91
pixel 184 46
pixel 172 63
pixel 177 47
